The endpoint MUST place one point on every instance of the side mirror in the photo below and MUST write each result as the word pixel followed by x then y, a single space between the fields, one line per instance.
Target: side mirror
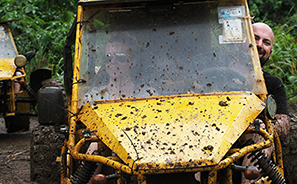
pixel 29 55
pixel 271 107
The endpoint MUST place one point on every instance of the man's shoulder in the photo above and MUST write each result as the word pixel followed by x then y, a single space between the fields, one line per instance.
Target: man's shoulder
pixel 269 78
pixel 266 74
pixel 275 87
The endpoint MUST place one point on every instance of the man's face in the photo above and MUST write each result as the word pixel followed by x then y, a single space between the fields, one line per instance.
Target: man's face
pixel 264 39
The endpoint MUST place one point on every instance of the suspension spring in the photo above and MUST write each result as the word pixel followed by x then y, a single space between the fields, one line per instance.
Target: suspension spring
pixel 30 91
pixel 84 172
pixel 268 167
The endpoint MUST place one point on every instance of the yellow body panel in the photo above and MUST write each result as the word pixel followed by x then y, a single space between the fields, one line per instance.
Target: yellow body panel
pixel 172 132
pixel 7 68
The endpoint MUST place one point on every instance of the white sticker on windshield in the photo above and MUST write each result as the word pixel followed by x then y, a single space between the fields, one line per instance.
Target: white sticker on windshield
pixel 233 11
pixel 231 18
pixel 232 31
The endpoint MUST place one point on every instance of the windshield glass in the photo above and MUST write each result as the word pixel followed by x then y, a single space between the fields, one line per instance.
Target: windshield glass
pixel 164 50
pixel 6 45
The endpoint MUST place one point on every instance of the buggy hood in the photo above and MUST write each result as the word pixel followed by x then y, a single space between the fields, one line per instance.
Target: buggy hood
pixel 173 131
pixel 7 68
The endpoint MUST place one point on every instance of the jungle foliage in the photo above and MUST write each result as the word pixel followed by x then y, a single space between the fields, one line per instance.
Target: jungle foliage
pixel 42 27
pixel 282 17
pixel 44 24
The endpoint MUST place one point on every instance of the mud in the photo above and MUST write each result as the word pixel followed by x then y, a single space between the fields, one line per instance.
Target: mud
pixel 290 148
pixel 15 153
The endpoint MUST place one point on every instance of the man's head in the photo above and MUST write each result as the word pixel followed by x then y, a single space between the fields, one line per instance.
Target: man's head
pixel 264 39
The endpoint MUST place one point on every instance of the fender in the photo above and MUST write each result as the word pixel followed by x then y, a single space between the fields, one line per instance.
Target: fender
pixel 39 75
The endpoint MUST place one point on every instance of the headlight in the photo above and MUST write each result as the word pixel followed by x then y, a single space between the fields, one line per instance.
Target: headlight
pixel 20 61
pixel 271 107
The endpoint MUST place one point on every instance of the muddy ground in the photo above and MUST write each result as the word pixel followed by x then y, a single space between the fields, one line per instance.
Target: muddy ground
pixel 15 153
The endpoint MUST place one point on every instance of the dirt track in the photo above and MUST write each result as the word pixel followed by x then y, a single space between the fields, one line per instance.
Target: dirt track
pixel 15 153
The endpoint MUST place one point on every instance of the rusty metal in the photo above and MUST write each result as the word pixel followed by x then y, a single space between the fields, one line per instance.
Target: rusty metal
pixel 141 179
pixel 228 176
pixel 212 177
pixel 99 179
pixel 268 168
pixel 98 158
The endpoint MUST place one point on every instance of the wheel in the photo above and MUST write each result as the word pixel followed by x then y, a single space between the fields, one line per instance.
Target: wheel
pixel 45 148
pixel 16 123
pixel 46 144
pixel 56 83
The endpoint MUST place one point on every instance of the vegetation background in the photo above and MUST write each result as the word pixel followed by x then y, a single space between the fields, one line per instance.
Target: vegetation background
pixel 44 24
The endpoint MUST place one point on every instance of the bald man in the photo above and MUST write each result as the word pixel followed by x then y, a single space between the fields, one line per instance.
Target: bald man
pixel 264 39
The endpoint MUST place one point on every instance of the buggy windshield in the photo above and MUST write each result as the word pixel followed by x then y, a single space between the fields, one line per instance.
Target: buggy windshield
pixel 165 50
pixel 7 49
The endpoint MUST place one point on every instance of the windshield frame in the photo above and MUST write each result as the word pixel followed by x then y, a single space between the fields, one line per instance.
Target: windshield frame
pixel 258 86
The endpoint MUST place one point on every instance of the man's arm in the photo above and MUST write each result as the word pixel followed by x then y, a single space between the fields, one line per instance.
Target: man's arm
pixel 277 89
pixel 282 126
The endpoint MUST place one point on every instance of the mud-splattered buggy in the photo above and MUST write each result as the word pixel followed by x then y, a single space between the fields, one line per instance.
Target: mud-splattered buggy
pixel 165 92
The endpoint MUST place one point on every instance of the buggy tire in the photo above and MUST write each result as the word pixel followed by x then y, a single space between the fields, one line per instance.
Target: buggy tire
pixel 16 123
pixel 44 149
pixel 56 83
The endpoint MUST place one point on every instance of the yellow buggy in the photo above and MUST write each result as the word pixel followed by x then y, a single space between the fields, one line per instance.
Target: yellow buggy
pixel 17 96
pixel 166 92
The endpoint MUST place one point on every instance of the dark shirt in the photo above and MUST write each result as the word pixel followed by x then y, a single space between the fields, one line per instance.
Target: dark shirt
pixel 275 87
